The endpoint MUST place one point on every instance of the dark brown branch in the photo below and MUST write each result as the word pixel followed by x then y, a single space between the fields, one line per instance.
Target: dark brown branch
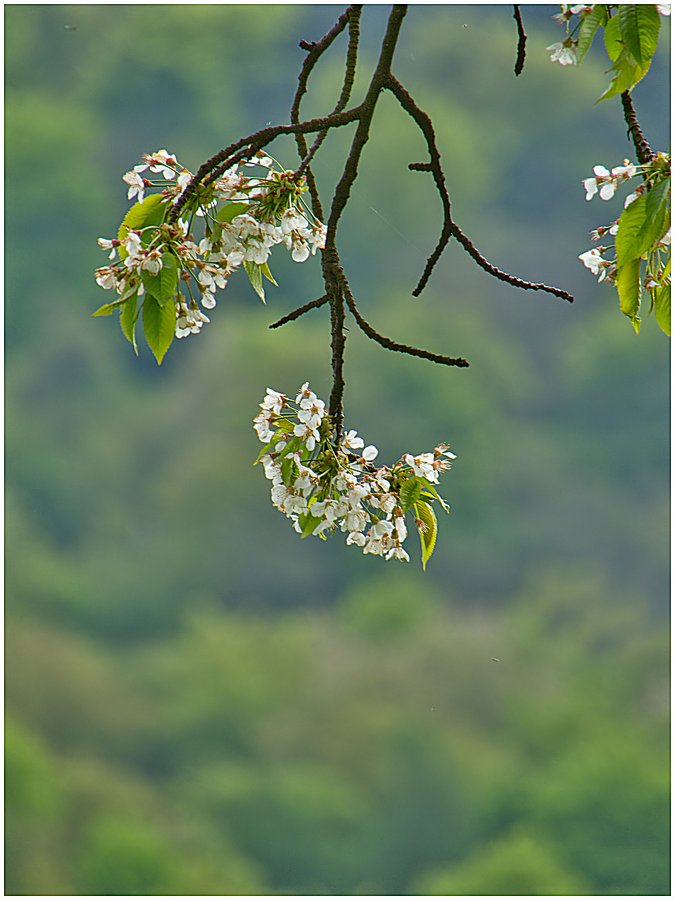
pixel 246 147
pixel 450 228
pixel 345 93
pixel 332 271
pixel 315 51
pixel 522 39
pixel 300 311
pixel 388 344
pixel 642 148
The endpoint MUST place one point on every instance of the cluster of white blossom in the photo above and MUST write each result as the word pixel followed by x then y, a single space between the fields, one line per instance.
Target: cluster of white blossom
pixel 604 184
pixel 566 51
pixel 244 217
pixel 322 487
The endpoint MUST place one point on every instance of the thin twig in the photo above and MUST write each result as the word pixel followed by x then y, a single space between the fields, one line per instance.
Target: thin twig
pixel 450 228
pixel 522 39
pixel 315 51
pixel 332 269
pixel 345 93
pixel 300 311
pixel 388 344
pixel 644 152
pixel 246 147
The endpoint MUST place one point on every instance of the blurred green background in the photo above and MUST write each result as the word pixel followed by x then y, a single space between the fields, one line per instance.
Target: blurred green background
pixel 199 702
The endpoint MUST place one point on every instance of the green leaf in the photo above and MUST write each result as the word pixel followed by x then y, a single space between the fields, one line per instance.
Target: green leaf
pixel 613 40
pixel 151 283
pixel 629 70
pixel 230 211
pixel 308 523
pixel 150 212
pixel 430 491
pixel 639 27
pixel 291 447
pixel 662 308
pixel 224 216
pixel 168 278
pixel 159 324
pixel 107 308
pixel 410 492
pixel 288 470
pixel 628 73
pixel 588 28
pixel 427 531
pixel 254 272
pixel 628 286
pixel 128 319
pixel 268 275
pixel 643 223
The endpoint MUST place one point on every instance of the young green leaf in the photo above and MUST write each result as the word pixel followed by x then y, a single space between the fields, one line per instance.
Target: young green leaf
pixel 639 28
pixel 642 223
pixel 662 308
pixel 628 286
pixel 308 523
pixel 128 319
pixel 168 279
pixel 159 324
pixel 410 492
pixel 291 447
pixel 628 73
pixel 268 275
pixel 152 284
pixel 254 272
pixel 428 529
pixel 289 470
pixel 430 491
pixel 613 40
pixel 150 212
pixel 276 437
pixel 230 211
pixel 588 28
pixel 107 308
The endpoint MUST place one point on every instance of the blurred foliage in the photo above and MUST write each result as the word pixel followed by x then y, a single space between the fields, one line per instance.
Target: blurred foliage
pixel 198 702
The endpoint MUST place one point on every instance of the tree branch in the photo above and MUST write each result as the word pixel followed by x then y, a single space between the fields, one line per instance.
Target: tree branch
pixel 450 228
pixel 644 152
pixel 300 311
pixel 522 40
pixel 316 50
pixel 388 344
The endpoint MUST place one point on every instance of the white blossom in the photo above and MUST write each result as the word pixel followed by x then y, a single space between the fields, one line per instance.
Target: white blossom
pixel 136 185
pixel 564 52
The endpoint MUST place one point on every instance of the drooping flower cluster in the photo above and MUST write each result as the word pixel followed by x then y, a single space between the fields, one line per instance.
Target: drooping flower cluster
pixel 568 52
pixel 565 52
pixel 243 217
pixel 638 262
pixel 604 184
pixel 323 487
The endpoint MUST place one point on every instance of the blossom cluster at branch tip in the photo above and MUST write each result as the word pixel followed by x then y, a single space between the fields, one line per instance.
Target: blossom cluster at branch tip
pixel 604 183
pixel 323 487
pixel 604 262
pixel 564 52
pixel 244 217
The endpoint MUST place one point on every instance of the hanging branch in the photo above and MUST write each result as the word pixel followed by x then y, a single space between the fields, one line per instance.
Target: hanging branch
pixel 315 51
pixel 388 344
pixel 292 316
pixel 337 290
pixel 644 152
pixel 522 40
pixel 450 228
